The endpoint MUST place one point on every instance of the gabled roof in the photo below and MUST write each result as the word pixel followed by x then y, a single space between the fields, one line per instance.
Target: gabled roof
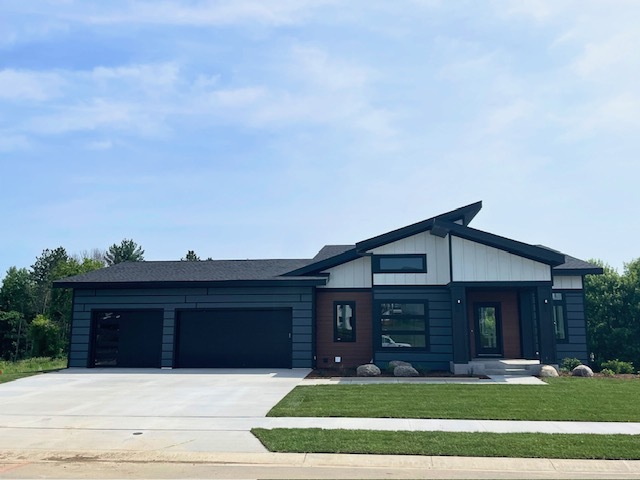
pixel 228 272
pixel 533 252
pixel 464 214
pixel 346 253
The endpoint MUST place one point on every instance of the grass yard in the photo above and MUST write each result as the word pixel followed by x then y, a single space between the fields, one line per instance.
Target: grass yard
pixel 566 398
pixel 31 366
pixel 526 445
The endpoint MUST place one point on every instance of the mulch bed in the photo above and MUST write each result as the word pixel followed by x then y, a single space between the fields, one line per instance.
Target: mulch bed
pixel 351 372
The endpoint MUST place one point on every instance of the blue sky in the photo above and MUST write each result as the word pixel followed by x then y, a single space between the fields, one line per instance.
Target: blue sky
pixel 266 129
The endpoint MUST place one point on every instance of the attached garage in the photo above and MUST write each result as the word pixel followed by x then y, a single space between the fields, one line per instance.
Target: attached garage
pixel 127 338
pixel 234 338
pixel 208 314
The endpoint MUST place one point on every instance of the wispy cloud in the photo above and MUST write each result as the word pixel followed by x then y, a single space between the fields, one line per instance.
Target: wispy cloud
pixel 17 85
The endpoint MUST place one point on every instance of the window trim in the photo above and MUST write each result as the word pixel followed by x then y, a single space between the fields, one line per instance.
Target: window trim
pixel 560 303
pixel 336 336
pixel 375 263
pixel 377 305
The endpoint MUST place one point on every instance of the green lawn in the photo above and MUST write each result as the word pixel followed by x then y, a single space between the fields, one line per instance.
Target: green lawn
pixel 31 366
pixel 583 399
pixel 527 445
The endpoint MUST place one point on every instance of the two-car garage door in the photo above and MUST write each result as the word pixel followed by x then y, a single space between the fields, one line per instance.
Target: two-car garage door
pixel 221 338
pixel 234 338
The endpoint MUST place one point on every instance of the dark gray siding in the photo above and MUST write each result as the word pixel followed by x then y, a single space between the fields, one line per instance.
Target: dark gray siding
pixel 299 299
pixel 440 351
pixel 576 346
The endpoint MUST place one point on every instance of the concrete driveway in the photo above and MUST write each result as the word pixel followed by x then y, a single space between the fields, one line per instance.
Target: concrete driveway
pixel 140 409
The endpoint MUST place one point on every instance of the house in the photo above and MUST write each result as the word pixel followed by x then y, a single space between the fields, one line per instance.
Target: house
pixel 437 293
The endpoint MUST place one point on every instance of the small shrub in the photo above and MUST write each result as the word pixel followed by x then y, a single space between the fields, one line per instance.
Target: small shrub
pixel 607 372
pixel 618 366
pixel 569 364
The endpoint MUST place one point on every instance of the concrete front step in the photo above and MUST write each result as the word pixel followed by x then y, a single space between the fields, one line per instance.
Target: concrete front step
pixel 498 366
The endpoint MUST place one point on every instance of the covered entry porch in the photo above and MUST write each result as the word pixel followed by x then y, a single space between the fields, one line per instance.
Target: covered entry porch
pixel 502 328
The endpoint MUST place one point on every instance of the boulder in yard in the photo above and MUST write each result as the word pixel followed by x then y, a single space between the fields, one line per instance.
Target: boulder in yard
pixel 548 371
pixel 397 363
pixel 368 370
pixel 582 371
pixel 405 371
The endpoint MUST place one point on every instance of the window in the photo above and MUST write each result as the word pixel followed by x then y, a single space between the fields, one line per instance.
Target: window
pixel 559 318
pixel 403 325
pixel 344 322
pixel 400 263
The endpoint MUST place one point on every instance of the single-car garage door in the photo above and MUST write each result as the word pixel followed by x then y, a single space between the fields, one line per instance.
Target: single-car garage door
pixel 247 338
pixel 127 338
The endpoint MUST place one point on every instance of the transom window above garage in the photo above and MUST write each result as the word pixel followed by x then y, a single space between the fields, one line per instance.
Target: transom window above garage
pixel 408 263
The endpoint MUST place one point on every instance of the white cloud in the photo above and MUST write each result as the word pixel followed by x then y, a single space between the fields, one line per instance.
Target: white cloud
pixel 202 13
pixel 19 85
pixel 98 114
pixel 100 145
pixel 10 142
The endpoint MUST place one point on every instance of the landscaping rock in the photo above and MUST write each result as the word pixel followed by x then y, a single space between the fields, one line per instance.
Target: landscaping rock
pixel 368 370
pixel 398 363
pixel 405 371
pixel 582 371
pixel 548 371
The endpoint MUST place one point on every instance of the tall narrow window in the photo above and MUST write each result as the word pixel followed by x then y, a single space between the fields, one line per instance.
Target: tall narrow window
pixel 344 321
pixel 559 317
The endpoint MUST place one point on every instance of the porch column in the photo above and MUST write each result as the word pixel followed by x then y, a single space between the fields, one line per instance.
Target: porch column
pixel 527 329
pixel 460 325
pixel 546 330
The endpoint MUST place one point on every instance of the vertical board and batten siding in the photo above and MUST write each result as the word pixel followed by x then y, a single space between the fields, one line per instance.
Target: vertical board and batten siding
pixel 561 282
pixel 440 351
pixel 576 345
pixel 475 262
pixel 437 251
pixel 353 274
pixel 298 299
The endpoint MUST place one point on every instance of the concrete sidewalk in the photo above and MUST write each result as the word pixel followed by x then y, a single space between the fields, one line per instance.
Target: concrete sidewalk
pixel 444 425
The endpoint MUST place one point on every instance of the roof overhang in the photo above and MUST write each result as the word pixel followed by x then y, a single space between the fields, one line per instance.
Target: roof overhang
pixel 573 272
pixel 288 282
pixel 538 254
pixel 315 267
pixel 463 214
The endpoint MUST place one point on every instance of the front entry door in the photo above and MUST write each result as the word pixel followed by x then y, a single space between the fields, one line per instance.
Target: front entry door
pixel 488 329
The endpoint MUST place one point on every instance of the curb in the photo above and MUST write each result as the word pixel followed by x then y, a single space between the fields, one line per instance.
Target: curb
pixel 486 464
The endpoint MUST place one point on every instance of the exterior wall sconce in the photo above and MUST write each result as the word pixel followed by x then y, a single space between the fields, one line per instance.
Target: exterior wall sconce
pixel 459 301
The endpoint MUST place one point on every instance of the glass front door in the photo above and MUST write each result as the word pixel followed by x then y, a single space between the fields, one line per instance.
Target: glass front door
pixel 488 329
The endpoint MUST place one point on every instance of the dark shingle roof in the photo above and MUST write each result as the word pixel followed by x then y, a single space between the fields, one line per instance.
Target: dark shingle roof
pixel 574 265
pixel 329 251
pixel 181 272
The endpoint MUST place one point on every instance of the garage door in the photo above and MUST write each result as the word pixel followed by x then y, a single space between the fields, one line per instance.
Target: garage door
pixel 131 338
pixel 234 339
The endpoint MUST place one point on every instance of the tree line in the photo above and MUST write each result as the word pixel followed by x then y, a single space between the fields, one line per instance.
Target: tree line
pixel 34 317
pixel 613 313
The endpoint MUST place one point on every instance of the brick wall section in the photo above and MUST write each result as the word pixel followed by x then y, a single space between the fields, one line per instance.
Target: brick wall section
pixel 352 353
